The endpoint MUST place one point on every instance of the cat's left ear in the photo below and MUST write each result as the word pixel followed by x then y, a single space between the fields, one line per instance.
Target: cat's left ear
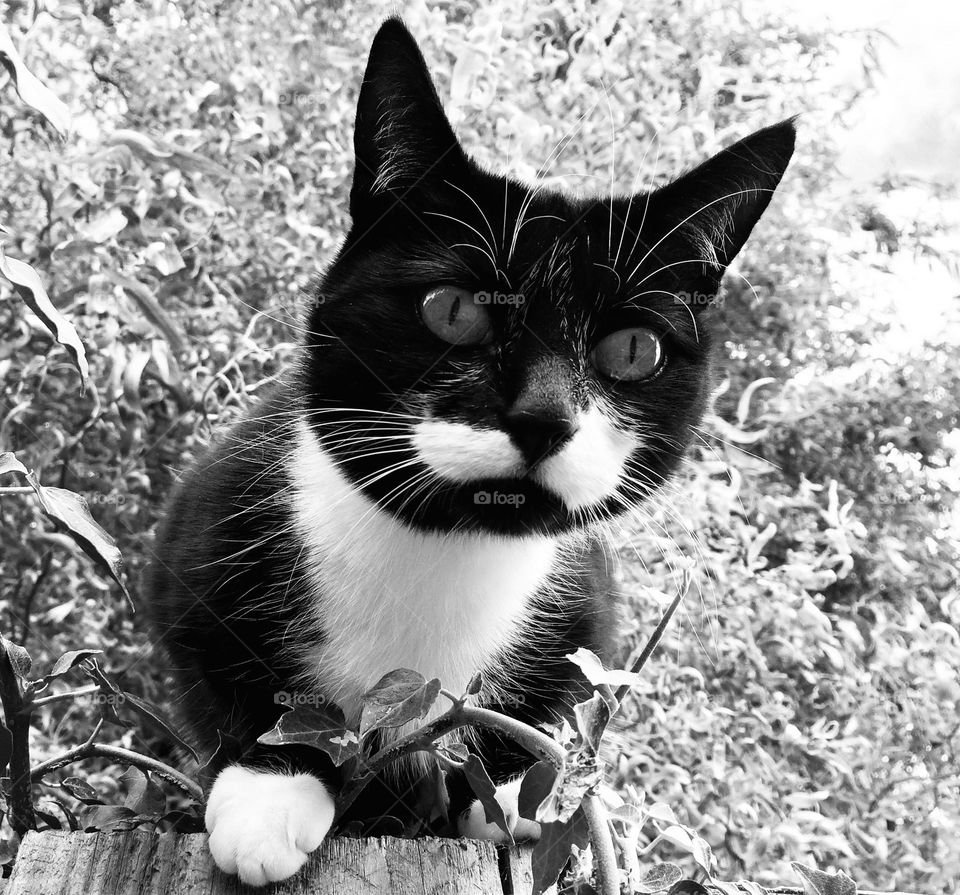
pixel 402 137
pixel 714 207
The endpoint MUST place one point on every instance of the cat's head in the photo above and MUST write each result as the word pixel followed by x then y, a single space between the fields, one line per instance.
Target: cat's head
pixel 485 355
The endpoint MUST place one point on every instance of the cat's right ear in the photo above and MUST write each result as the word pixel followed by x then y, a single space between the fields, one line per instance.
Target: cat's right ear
pixel 402 137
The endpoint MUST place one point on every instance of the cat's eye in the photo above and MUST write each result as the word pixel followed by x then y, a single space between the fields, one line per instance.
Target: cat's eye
pixel 456 316
pixel 628 355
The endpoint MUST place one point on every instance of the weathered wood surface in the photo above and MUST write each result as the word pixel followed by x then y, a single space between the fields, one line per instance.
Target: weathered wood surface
pixel 141 863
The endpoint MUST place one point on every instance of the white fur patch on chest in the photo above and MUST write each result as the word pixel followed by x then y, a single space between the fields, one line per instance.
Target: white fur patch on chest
pixel 390 597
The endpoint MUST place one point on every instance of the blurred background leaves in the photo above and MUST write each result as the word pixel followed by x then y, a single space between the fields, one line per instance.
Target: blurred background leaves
pixel 805 708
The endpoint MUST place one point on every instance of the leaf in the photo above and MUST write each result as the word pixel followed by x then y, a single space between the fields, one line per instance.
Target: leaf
pixel 150 307
pixel 816 882
pixel 592 668
pixel 30 89
pixel 743 405
pixel 592 717
pixel 9 463
pixel 688 887
pixel 31 290
pixel 153 148
pixel 554 848
pixel 19 658
pixel 6 747
pixel 324 729
pixel 486 792
pixel 475 685
pixel 105 817
pixel 71 514
pixel 156 717
pixel 67 661
pixel 692 843
pixel 143 794
pixel 81 790
pixel 660 877
pixel 110 695
pixel 580 775
pixel 536 786
pixel 104 226
pixel 398 697
pixel 72 823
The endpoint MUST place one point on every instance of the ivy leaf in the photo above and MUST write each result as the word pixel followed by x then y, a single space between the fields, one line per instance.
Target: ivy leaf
pixel 398 697
pixel 324 729
pixel 554 848
pixel 816 882
pixel 486 792
pixel 71 514
pixel 19 658
pixel 591 666
pixel 30 89
pixel 81 791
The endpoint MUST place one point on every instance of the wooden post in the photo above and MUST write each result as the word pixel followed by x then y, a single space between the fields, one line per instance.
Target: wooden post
pixel 143 863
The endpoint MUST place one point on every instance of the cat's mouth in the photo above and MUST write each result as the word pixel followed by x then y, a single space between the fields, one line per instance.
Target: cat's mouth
pixel 583 472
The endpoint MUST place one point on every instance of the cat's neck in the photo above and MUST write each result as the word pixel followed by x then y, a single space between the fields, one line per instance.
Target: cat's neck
pixel 388 596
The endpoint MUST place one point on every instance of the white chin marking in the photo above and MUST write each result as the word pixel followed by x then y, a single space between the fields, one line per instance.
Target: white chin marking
pixel 457 452
pixel 264 825
pixel 590 466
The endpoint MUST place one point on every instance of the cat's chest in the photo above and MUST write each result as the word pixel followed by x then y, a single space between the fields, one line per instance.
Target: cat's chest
pixel 386 596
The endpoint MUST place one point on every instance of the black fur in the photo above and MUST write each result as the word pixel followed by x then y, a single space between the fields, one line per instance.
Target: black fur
pixel 226 585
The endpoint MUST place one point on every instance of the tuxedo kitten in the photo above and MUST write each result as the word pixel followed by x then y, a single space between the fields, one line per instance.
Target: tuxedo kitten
pixel 489 372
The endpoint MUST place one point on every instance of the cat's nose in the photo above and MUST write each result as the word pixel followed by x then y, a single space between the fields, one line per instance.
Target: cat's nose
pixel 540 431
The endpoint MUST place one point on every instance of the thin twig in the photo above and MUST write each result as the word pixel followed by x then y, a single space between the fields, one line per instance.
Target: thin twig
pixel 90 749
pixel 69 694
pixel 657 634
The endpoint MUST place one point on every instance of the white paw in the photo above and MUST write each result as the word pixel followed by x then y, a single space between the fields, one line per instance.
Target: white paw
pixel 264 825
pixel 472 824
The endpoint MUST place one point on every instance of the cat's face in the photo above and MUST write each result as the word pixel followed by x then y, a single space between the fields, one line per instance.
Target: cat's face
pixel 490 356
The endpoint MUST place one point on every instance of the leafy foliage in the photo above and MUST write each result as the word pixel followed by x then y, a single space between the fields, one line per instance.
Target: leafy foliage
pixel 805 707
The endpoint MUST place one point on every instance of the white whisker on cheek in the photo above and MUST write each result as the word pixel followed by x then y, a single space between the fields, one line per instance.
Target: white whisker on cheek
pixel 591 466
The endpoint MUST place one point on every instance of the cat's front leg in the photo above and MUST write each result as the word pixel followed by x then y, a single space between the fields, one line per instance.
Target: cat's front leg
pixel 472 824
pixel 264 824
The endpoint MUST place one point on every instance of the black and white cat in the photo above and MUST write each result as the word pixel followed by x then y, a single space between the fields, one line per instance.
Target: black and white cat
pixel 488 372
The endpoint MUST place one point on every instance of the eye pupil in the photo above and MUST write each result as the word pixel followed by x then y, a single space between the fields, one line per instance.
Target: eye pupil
pixel 454 311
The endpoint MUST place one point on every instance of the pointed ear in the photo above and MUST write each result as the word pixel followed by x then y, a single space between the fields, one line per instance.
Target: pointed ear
pixel 402 135
pixel 714 207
